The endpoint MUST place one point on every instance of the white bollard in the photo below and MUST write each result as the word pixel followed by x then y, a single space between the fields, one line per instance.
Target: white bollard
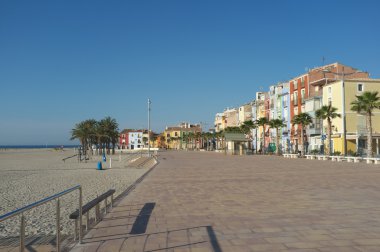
pixel 110 162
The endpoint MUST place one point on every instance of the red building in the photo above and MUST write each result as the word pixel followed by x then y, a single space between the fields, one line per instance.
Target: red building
pixel 310 85
pixel 124 139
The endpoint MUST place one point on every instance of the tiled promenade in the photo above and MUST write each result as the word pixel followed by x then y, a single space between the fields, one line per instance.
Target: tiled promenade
pixel 195 201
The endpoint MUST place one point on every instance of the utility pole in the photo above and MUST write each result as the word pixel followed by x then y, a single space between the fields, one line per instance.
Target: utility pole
pixel 149 102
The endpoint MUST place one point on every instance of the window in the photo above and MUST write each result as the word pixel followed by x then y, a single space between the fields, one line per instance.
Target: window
pixel 302 81
pixel 285 101
pixel 318 123
pixel 329 91
pixel 302 96
pixel 360 87
pixel 175 134
pixel 295 84
pixel 295 98
pixel 329 101
pixel 168 135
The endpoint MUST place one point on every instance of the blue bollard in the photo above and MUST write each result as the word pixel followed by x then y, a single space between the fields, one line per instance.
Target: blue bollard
pixel 99 165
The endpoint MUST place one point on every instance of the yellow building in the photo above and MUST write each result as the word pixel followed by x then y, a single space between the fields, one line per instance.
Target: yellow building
pixel 174 135
pixel 219 122
pixel 356 131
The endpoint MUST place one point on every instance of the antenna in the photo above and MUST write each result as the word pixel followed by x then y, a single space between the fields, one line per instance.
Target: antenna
pixel 323 60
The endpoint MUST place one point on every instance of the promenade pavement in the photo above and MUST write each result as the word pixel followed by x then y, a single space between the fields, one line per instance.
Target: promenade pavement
pixel 198 201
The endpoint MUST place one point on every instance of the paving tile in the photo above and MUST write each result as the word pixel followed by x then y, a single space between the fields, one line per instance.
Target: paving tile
pixel 208 201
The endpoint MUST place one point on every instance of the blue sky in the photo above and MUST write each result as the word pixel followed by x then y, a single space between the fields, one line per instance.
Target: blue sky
pixel 65 61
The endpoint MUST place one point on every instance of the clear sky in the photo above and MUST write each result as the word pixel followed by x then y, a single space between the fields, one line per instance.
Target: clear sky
pixel 65 61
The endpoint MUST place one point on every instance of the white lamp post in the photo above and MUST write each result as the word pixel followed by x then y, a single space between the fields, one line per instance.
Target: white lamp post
pixel 149 102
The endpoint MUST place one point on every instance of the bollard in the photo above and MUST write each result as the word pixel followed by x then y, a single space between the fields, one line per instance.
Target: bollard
pixel 110 162
pixel 99 165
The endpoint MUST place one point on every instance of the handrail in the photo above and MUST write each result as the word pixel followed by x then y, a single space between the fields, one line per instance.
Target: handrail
pixel 36 204
pixel 41 202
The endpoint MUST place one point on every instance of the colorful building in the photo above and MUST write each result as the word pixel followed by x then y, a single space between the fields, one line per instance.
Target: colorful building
pixel 283 112
pixel 124 139
pixel 355 124
pixel 174 136
pixel 135 140
pixel 310 85
pixel 245 113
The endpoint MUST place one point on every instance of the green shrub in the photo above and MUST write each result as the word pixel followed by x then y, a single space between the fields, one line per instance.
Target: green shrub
pixel 352 153
pixel 314 152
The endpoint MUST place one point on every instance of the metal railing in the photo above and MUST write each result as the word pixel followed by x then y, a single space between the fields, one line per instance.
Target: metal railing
pixel 21 211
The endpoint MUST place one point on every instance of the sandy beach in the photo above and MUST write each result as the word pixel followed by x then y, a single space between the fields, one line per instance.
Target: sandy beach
pixel 27 176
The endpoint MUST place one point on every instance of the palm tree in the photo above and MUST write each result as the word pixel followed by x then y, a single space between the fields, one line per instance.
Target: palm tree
pixel 303 119
pixel 246 128
pixel 277 124
pixel 327 112
pixel 109 128
pixel 191 136
pixel 221 136
pixel 90 125
pixel 233 130
pixel 185 137
pixel 261 122
pixel 154 139
pixel 145 141
pixel 81 133
pixel 365 104
pixel 162 140
pixel 198 136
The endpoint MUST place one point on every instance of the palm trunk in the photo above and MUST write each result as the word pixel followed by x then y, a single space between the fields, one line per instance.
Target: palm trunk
pixel 329 137
pixel 100 146
pixel 302 142
pixel 277 143
pixel 263 150
pixel 369 137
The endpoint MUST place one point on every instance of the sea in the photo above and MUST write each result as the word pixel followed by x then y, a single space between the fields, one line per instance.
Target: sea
pixel 45 146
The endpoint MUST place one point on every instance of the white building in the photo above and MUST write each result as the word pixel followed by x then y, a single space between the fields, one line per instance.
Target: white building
pixel 135 140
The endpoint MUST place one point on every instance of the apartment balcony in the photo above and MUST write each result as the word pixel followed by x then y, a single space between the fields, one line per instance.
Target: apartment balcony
pixel 314 131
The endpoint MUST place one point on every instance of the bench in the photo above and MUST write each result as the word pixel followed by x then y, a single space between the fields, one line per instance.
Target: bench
pixel 322 157
pixel 87 207
pixel 310 156
pixel 372 160
pixel 353 159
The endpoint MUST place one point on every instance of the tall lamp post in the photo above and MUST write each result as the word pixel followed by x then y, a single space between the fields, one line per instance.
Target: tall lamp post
pixel 343 104
pixel 149 102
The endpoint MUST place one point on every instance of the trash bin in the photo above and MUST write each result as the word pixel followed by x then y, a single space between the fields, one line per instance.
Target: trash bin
pixel 99 165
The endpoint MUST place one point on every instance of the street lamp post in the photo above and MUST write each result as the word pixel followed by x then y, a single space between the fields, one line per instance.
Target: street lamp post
pixel 149 102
